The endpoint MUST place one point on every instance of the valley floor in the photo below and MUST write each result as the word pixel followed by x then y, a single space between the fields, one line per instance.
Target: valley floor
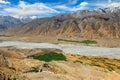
pixel 99 61
pixel 112 43
pixel 67 48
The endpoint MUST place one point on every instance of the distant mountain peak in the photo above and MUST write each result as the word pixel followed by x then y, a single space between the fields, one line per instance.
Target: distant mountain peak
pixel 7 22
pixel 25 17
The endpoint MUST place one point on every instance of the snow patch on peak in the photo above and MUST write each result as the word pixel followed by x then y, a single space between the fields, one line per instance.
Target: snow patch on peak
pixel 24 17
pixel 33 17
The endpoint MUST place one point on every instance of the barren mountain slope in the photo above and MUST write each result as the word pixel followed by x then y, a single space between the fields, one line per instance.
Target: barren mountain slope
pixel 101 23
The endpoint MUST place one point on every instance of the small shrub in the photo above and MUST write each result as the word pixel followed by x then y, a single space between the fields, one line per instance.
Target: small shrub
pixel 34 69
pixel 94 64
pixel 88 42
pixel 117 60
pixel 118 67
pixel 77 61
pixel 1 40
pixel 73 55
pixel 84 57
pixel 5 35
pixel 110 68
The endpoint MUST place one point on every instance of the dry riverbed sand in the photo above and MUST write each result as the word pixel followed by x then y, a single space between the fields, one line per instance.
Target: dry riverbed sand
pixel 66 48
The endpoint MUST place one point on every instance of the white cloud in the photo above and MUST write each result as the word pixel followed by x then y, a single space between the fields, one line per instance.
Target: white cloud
pixel 33 17
pixel 73 1
pixel 108 5
pixel 114 4
pixel 4 2
pixel 41 9
pixel 45 9
pixel 81 6
pixel 30 9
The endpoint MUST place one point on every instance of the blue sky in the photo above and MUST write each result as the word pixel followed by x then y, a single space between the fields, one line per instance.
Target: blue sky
pixel 46 8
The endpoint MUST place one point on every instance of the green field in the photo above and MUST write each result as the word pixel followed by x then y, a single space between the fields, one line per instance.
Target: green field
pixel 50 56
pixel 76 41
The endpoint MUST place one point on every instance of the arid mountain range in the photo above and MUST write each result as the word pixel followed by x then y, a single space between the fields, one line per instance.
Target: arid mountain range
pixel 8 22
pixel 100 23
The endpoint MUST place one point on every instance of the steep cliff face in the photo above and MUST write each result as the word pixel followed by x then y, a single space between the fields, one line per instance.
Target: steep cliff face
pixel 101 23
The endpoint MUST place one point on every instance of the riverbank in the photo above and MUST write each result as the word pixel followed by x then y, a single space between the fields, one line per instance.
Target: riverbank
pixel 67 48
pixel 111 43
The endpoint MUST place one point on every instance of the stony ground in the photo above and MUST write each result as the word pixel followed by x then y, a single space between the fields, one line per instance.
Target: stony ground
pixel 76 67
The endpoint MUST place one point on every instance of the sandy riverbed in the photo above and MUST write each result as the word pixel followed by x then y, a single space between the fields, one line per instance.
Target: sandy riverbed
pixel 75 49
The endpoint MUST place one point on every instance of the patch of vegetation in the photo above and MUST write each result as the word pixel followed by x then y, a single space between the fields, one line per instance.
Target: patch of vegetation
pixel 67 40
pixel 73 55
pixel 110 68
pixel 49 56
pixel 34 69
pixel 78 61
pixel 4 35
pixel 78 55
pixel 117 60
pixel 118 67
pixel 83 41
pixel 1 40
pixel 94 64
pixel 84 57
pixel 89 42
pixel 110 64
pixel 102 62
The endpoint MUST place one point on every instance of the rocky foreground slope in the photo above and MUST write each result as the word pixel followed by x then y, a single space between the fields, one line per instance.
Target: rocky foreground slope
pixel 101 23
pixel 76 67
pixel 8 73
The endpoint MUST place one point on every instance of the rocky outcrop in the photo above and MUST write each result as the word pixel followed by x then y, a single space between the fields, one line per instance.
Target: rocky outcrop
pixel 10 74
pixel 3 61
pixel 7 73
